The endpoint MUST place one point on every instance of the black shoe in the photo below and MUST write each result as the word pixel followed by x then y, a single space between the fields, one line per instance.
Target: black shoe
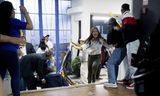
pixel 89 82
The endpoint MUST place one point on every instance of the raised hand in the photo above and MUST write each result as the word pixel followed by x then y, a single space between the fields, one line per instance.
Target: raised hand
pixel 23 9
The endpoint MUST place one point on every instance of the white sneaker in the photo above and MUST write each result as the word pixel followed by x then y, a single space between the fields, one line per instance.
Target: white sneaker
pixel 110 85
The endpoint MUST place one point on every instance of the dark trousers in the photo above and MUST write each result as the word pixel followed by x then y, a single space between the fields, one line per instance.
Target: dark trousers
pixel 54 80
pixel 93 65
pixel 31 82
pixel 98 71
pixel 9 61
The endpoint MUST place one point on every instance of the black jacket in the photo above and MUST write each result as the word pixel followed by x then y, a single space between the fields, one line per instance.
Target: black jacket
pixel 33 63
pixel 115 37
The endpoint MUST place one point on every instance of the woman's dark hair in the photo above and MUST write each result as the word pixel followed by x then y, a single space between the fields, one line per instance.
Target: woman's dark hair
pixel 43 45
pixel 6 9
pixel 111 23
pixel 88 40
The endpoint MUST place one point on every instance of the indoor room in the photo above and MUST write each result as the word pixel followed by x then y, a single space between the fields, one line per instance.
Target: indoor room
pixel 79 47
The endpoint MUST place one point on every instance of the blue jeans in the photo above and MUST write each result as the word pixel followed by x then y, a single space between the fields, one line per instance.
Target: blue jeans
pixel 113 63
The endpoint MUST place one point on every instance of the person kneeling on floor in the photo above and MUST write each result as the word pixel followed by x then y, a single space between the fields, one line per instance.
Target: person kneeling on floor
pixel 34 63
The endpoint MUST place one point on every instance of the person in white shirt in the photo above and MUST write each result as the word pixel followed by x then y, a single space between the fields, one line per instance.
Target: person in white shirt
pixel 93 46
pixel 48 42
pixel 26 48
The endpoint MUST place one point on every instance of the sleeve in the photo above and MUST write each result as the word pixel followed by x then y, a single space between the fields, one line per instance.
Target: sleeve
pixel 105 44
pixel 18 24
pixel 84 46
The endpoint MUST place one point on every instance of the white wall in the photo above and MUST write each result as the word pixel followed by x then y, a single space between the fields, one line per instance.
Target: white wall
pixel 74 22
pixel 76 3
pixel 105 6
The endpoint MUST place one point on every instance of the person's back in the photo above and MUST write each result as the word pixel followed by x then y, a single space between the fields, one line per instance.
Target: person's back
pixel 115 35
pixel 129 24
pixel 31 63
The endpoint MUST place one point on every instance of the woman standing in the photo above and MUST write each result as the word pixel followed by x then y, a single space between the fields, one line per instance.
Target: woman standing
pixel 93 46
pixel 11 26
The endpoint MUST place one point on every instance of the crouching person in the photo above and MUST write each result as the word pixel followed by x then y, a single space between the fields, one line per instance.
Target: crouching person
pixel 34 63
pixel 53 79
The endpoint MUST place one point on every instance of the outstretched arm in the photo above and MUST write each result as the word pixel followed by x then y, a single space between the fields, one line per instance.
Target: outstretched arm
pixel 108 46
pixel 76 46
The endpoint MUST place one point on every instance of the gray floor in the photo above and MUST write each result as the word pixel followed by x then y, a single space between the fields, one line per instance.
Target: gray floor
pixel 103 77
pixel 7 84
